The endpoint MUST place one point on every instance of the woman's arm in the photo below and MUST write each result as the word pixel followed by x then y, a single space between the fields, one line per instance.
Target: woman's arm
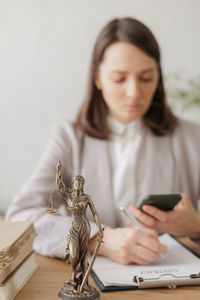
pixel 32 200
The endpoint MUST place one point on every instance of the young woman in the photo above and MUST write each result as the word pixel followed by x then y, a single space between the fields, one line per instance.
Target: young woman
pixel 126 143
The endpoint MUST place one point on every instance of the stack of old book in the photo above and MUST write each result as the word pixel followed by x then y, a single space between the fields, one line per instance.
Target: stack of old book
pixel 17 262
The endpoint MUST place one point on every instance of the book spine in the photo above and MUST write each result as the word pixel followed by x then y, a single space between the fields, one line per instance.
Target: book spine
pixel 15 282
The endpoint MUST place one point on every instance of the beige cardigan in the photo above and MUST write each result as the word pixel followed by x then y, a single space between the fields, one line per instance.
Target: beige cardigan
pixel 173 165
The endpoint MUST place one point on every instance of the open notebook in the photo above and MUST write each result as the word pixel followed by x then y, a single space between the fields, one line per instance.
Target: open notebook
pixel 178 266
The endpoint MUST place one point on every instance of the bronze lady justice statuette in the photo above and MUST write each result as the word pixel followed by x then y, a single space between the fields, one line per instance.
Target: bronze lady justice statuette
pixel 77 240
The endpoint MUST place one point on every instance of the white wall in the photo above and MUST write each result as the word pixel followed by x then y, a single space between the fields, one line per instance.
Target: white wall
pixel 45 48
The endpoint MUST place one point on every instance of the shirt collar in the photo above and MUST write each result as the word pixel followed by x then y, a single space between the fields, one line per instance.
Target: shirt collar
pixel 120 129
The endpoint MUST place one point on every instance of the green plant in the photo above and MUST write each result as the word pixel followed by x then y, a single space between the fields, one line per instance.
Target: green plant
pixel 186 92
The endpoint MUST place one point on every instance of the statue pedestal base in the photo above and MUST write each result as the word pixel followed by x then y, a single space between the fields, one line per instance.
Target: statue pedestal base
pixel 68 293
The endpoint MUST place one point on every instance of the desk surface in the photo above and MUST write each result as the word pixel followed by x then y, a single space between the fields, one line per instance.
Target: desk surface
pixel 47 281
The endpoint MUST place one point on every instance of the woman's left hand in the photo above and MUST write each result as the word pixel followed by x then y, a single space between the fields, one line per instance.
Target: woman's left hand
pixel 182 220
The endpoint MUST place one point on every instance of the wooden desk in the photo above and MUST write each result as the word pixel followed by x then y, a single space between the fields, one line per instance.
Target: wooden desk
pixel 47 281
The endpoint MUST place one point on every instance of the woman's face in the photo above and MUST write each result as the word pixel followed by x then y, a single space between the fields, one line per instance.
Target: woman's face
pixel 128 79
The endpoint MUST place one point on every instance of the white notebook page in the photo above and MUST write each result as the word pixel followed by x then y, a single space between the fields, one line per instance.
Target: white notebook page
pixel 176 262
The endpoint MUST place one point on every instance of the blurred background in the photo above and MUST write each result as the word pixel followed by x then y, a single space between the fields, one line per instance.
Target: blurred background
pixel 45 50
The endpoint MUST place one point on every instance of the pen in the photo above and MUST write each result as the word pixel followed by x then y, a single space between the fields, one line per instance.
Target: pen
pixel 132 218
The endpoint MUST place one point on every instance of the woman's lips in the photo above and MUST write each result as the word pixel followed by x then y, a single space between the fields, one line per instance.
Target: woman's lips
pixel 132 106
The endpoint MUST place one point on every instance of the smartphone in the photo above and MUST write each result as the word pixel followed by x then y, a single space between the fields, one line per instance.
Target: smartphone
pixel 164 202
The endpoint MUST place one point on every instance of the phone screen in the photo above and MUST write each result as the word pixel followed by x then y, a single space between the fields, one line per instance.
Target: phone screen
pixel 164 202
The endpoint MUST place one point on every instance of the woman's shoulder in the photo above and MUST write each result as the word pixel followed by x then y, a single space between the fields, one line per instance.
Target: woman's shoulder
pixel 66 129
pixel 63 126
pixel 188 127
pixel 187 133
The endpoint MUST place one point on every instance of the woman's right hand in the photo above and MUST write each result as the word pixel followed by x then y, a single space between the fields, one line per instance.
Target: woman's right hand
pixel 128 245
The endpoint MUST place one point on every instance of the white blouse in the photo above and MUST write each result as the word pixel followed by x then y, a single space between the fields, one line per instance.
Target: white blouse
pixel 127 156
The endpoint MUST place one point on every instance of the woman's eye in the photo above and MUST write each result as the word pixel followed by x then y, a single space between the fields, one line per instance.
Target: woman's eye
pixel 146 79
pixel 119 80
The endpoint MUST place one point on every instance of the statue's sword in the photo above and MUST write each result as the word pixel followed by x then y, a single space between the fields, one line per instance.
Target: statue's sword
pixel 91 264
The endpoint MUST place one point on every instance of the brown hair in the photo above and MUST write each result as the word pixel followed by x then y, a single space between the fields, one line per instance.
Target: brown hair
pixel 92 117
